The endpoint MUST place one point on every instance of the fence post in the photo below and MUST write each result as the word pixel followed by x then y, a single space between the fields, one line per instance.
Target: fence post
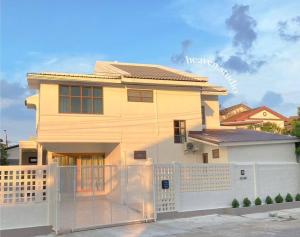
pixel 177 168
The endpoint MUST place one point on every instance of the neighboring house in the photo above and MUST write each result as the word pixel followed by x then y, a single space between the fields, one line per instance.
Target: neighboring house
pixel 233 110
pixel 243 116
pixel 13 155
pixel 125 114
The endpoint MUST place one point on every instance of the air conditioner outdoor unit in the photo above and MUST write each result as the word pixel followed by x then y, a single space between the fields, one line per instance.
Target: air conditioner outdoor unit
pixel 190 147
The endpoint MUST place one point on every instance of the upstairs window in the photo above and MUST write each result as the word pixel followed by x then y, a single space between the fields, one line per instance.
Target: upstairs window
pixel 80 99
pixel 134 95
pixel 179 131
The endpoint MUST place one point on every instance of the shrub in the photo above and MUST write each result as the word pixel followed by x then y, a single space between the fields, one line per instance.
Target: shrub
pixel 279 199
pixel 289 198
pixel 297 198
pixel 235 203
pixel 257 201
pixel 269 200
pixel 246 202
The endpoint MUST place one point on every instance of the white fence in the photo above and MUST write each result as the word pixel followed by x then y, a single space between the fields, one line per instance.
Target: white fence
pixel 209 186
pixel 23 196
pixel 33 196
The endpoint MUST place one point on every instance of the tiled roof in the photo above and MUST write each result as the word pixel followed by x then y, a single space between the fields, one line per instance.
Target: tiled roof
pixel 226 110
pixel 247 114
pixel 153 72
pixel 219 136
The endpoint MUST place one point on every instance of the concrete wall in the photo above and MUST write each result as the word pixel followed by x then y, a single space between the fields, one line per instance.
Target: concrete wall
pixel 262 153
pixel 24 215
pixel 212 107
pixel 135 125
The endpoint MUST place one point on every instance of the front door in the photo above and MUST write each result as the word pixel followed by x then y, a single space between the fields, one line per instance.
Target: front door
pixel 90 173
pixel 89 170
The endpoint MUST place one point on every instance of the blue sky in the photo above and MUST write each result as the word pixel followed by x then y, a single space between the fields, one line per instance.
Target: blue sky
pixel 257 42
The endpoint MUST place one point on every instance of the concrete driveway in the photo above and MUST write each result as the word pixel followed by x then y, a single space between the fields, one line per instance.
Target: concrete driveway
pixel 275 224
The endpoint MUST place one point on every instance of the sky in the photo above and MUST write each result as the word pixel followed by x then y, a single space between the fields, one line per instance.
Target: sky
pixel 250 47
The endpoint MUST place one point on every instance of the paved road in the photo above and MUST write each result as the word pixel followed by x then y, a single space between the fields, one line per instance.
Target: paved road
pixel 284 223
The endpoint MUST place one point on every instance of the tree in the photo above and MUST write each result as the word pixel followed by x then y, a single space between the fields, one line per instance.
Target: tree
pixel 4 155
pixel 267 127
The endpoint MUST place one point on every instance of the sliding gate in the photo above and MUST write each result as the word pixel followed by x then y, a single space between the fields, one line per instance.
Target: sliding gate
pixel 111 195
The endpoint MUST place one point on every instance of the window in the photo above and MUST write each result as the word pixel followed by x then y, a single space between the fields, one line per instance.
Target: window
pixel 140 95
pixel 205 158
pixel 203 115
pixel 80 99
pixel 179 131
pixel 216 153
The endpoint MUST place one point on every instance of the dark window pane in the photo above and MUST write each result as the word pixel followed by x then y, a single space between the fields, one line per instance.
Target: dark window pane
pixel 176 123
pixel 75 105
pixel 64 104
pixel 134 99
pixel 176 131
pixel 147 94
pixel 148 99
pixel 97 92
pixel 87 105
pixel 133 93
pixel 177 139
pixel 86 91
pixel 63 90
pixel 98 106
pixel 75 91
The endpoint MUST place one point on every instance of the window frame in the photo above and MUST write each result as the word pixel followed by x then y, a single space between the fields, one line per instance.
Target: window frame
pixel 69 96
pixel 203 115
pixel 140 97
pixel 182 136
pixel 214 155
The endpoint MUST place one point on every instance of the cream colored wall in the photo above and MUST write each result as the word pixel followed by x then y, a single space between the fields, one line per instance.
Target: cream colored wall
pixel 211 103
pixel 135 125
pixel 208 149
pixel 268 118
pixel 263 153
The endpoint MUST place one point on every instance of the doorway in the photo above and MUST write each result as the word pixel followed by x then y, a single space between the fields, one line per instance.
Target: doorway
pixel 89 170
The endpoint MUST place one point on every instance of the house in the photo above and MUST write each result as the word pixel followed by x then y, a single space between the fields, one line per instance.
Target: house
pixel 126 114
pixel 13 154
pixel 242 116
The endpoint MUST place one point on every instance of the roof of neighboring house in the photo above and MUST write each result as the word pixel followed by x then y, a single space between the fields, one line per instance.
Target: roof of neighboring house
pixel 228 109
pixel 247 114
pixel 240 123
pixel 221 136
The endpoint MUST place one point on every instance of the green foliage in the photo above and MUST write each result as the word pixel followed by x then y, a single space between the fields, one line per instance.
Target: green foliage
pixel 297 151
pixel 270 127
pixel 246 202
pixel 297 198
pixel 3 155
pixel 257 201
pixel 269 200
pixel 235 203
pixel 279 199
pixel 289 198
pixel 296 128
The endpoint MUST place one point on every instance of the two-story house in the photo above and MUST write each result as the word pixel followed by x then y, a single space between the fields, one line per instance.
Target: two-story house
pixel 133 113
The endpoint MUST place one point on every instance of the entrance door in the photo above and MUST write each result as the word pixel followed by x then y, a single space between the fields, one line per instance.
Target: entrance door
pixel 90 173
pixel 89 170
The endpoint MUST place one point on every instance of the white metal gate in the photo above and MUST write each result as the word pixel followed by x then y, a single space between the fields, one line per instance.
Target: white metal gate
pixel 126 195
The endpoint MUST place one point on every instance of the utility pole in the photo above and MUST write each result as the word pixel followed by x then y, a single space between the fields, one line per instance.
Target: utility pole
pixel 6 142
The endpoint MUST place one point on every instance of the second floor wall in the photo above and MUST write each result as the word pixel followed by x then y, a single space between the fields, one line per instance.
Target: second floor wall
pixel 122 119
